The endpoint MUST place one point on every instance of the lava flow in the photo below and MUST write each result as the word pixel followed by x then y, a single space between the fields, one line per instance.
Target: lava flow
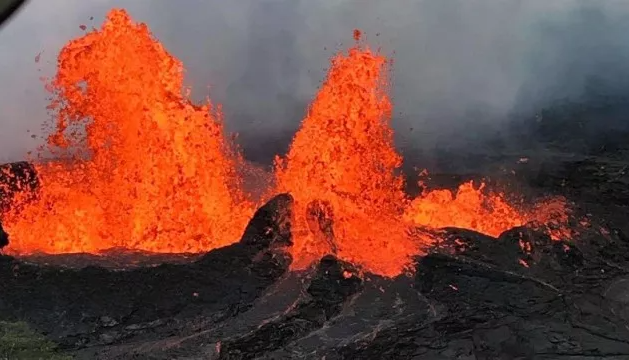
pixel 146 169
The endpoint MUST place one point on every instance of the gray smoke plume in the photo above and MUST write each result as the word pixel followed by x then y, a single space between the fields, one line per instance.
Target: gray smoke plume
pixel 461 67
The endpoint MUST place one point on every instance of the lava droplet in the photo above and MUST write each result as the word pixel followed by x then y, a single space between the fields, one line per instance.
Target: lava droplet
pixel 357 35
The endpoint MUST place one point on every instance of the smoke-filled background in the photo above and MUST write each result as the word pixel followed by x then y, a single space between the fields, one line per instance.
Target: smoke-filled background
pixel 464 70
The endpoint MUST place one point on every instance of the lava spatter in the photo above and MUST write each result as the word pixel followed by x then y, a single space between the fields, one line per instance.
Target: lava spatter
pixel 473 207
pixel 467 207
pixel 147 169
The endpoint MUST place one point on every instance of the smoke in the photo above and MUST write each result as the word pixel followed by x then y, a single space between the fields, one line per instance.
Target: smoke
pixel 461 67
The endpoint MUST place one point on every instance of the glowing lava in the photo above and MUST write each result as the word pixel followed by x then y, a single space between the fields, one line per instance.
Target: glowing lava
pixel 145 169
pixel 471 207
pixel 344 156
pixel 149 170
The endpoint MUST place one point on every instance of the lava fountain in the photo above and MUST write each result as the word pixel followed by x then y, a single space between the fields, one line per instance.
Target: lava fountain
pixel 148 169
pixel 343 155
pixel 137 165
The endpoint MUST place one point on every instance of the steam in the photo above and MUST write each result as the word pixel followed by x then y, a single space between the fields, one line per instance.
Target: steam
pixel 461 69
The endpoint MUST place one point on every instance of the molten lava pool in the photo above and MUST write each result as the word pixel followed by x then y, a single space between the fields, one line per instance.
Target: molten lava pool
pixel 138 166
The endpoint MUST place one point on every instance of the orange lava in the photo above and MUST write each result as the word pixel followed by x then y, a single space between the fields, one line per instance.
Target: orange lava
pixel 467 208
pixel 471 207
pixel 149 170
pixel 344 155
pixel 145 169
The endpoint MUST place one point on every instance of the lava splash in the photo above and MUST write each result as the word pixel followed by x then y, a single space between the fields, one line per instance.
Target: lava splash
pixel 137 165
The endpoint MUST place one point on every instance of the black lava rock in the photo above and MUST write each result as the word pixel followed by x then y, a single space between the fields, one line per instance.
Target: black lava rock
pixel 4 237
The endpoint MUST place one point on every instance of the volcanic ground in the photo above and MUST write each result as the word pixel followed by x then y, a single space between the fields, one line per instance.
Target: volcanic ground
pixel 136 248
pixel 468 298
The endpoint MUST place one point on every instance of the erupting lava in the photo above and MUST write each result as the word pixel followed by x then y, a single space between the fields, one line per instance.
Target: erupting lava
pixel 149 170
pixel 489 213
pixel 343 155
pixel 146 169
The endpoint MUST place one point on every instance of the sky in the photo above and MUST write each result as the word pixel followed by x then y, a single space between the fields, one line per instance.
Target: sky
pixel 461 67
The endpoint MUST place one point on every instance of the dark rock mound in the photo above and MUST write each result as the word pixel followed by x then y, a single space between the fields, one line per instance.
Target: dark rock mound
pixel 521 249
pixel 93 306
pixel 275 219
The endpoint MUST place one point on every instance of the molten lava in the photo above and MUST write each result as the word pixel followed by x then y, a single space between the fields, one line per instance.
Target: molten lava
pixel 138 166
pixel 470 207
pixel 149 170
pixel 344 155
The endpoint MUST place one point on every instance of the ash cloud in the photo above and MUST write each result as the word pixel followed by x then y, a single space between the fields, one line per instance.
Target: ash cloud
pixel 462 68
